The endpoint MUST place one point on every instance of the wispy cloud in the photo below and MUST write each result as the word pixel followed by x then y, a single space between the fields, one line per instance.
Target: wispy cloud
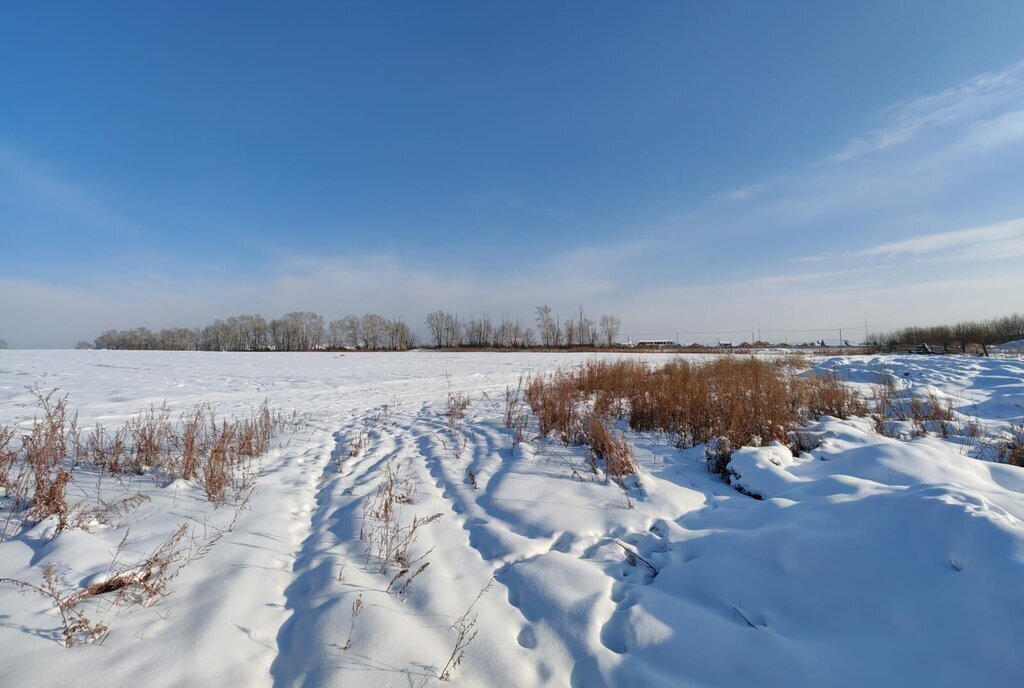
pixel 960 172
pixel 992 240
pixel 56 191
pixel 1000 131
pixel 817 279
pixel 906 121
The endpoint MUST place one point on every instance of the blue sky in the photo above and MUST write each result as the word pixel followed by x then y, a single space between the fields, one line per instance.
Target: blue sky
pixel 691 166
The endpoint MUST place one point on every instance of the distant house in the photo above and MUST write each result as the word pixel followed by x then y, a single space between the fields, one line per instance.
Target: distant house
pixel 724 345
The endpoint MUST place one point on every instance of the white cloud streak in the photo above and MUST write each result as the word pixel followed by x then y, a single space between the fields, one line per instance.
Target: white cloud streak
pixel 906 121
pixel 53 191
pixel 991 240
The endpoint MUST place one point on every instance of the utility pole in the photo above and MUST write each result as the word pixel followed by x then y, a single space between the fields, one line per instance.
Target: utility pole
pixel 840 336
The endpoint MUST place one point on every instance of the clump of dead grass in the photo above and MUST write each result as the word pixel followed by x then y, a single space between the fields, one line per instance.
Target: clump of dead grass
pixel 924 413
pixel 389 540
pixel 554 401
pixel 77 627
pixel 516 418
pixel 723 404
pixel 39 463
pixel 43 451
pixel 611 448
pixel 1011 449
pixel 140 584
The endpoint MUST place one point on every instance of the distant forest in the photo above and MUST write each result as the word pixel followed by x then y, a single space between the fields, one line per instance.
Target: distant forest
pixel 307 331
pixel 983 332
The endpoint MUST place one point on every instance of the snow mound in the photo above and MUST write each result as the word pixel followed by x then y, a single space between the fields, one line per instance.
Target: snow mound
pixel 762 471
pixel 918 576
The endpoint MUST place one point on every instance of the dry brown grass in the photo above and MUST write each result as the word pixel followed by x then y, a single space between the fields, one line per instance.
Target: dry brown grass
pixel 825 396
pixel 150 434
pixel 1011 450
pixel 924 413
pixel 465 631
pixel 76 626
pixel 516 418
pixel 217 468
pixel 611 448
pixel 389 541
pixel 554 400
pixel 43 450
pixel 138 584
pixel 7 455
pixel 53 452
pixel 455 408
pixel 356 444
pixel 107 451
pixel 724 404
pixel 357 608
pixel 190 440
pixel 36 472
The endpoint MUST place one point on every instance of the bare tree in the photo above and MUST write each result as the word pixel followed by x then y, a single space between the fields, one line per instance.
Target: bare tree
pixel 296 331
pixel 443 328
pixel 177 339
pixel 508 334
pixel 142 338
pixel 280 339
pixel 610 326
pixel 107 340
pixel 548 327
pixel 374 329
pixel 247 333
pixel 352 331
pixel 479 332
pixel 400 337
pixel 452 331
pixel 570 330
pixel 335 334
pixel 587 330
pixel 311 330
pixel 580 330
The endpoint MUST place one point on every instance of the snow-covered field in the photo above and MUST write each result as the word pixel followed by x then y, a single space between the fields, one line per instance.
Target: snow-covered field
pixel 870 560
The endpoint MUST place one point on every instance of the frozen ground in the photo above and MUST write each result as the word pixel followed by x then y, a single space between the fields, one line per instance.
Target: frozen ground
pixel 870 560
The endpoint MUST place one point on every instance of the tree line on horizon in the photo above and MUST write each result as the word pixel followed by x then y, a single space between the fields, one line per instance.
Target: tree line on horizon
pixel 308 331
pixel 981 332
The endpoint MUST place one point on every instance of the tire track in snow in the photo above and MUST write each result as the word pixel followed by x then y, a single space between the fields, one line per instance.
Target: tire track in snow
pixel 317 558
pixel 497 544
